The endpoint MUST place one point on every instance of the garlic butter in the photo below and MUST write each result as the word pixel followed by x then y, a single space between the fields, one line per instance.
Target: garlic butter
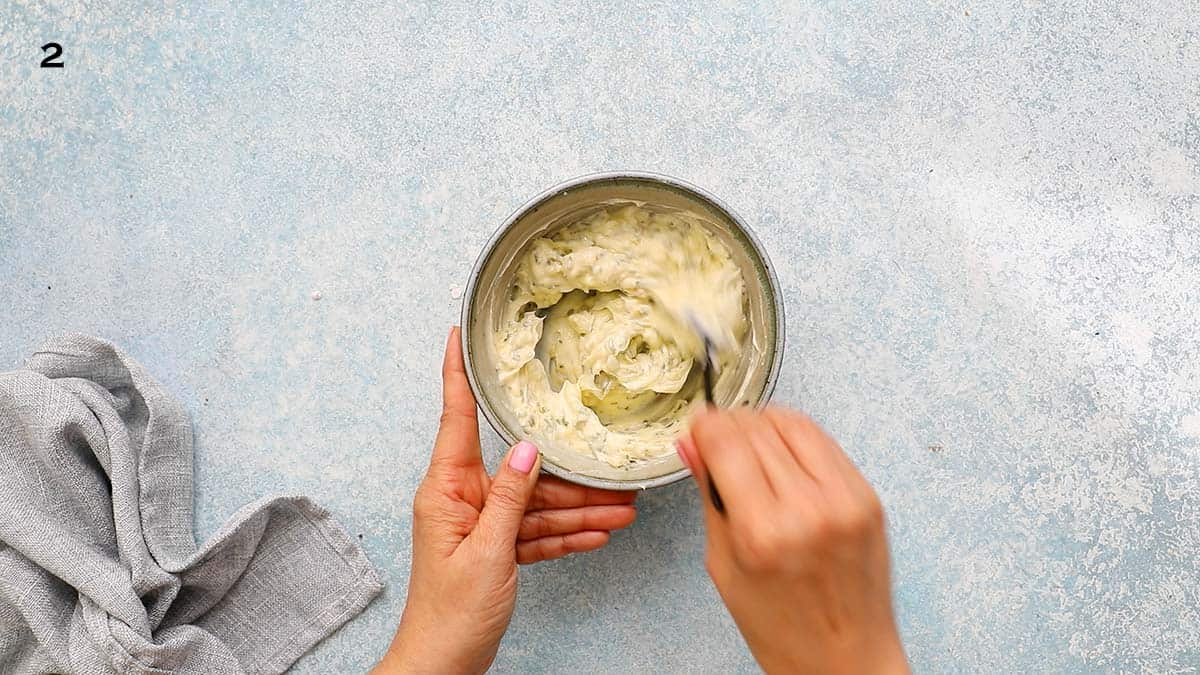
pixel 591 349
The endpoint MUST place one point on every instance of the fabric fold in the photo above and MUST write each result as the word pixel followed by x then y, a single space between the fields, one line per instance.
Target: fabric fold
pixel 99 569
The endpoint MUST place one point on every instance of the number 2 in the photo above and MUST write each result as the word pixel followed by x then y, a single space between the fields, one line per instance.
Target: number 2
pixel 54 52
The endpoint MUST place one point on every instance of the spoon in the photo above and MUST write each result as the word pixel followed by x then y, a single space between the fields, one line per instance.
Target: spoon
pixel 708 364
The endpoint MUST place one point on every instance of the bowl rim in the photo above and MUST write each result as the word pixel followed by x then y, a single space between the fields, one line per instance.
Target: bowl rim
pixel 466 313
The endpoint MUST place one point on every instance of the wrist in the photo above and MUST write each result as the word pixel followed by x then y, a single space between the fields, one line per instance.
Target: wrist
pixel 881 656
pixel 420 649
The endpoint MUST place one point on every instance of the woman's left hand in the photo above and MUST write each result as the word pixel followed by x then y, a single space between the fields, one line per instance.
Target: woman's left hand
pixel 470 531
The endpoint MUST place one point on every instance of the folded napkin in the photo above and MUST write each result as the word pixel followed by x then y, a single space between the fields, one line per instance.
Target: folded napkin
pixel 99 570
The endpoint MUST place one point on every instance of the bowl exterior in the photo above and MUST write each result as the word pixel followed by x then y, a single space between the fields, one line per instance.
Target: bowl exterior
pixel 473 356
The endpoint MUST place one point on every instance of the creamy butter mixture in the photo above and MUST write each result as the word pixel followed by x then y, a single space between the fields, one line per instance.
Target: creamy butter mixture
pixel 592 349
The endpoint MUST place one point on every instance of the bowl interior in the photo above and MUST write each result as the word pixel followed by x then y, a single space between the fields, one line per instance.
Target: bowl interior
pixel 750 382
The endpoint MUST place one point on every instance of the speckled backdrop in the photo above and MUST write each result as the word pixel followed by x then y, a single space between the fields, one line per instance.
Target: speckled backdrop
pixel 985 219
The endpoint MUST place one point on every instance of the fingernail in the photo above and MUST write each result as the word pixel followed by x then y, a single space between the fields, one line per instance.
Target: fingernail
pixel 683 455
pixel 524 454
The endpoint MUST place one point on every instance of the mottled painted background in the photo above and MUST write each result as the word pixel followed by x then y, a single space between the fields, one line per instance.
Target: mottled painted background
pixel 986 221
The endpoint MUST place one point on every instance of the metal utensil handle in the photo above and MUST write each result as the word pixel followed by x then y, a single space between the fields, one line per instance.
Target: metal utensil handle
pixel 708 387
pixel 713 494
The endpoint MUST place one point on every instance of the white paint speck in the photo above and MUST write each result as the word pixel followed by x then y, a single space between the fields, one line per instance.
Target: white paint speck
pixel 1190 425
pixel 316 295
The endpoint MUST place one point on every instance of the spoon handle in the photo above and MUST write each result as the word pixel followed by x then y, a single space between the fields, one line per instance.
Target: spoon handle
pixel 708 387
pixel 713 494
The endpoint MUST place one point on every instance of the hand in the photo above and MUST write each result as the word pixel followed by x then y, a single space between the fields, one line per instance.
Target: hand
pixel 799 555
pixel 470 531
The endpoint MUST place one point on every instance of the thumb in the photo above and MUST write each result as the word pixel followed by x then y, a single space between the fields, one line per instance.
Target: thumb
pixel 512 487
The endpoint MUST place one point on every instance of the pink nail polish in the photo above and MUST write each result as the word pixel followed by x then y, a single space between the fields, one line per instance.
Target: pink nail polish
pixel 524 454
pixel 683 457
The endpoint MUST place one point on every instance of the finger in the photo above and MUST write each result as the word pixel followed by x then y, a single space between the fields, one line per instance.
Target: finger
pixel 849 470
pixel 785 474
pixel 554 493
pixel 509 496
pixel 811 447
pixel 557 546
pixel 458 436
pixel 845 490
pixel 815 450
pixel 730 463
pixel 716 525
pixel 685 447
pixel 547 522
pixel 713 509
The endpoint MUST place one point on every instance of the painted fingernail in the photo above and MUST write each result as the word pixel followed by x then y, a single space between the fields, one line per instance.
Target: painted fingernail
pixel 683 456
pixel 524 454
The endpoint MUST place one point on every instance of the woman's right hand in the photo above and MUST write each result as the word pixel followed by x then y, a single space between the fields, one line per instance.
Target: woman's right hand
pixel 798 551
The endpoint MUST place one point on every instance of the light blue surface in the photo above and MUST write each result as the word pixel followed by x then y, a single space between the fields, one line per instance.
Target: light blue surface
pixel 985 220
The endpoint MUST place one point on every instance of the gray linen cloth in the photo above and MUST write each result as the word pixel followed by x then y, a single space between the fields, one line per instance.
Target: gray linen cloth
pixel 99 570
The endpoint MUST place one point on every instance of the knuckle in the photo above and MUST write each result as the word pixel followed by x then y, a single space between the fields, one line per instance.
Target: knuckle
pixel 534 525
pixel 818 536
pixel 801 419
pixel 852 523
pixel 874 508
pixel 792 537
pixel 549 548
pixel 784 413
pixel 868 517
pixel 450 416
pixel 760 549
pixel 505 496
pixel 805 428
pixel 822 533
